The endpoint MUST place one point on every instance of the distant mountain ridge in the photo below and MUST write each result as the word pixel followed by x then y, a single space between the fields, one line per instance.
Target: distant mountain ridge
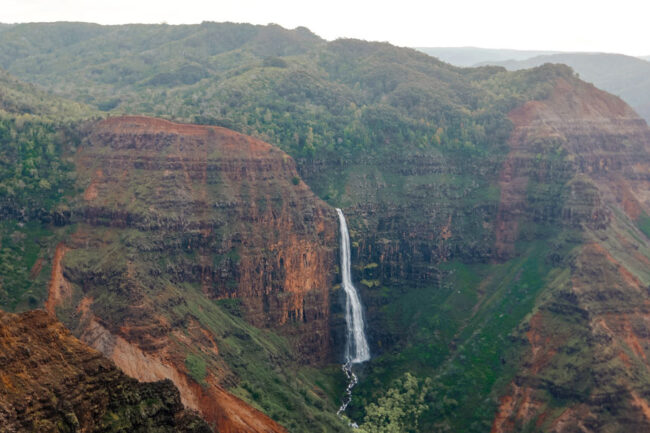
pixel 17 97
pixel 470 56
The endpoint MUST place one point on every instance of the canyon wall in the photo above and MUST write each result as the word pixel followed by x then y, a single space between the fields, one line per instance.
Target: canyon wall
pixel 177 234
pixel 586 342
pixel 499 227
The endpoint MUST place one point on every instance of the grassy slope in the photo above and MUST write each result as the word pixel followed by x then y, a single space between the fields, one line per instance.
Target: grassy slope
pixel 462 335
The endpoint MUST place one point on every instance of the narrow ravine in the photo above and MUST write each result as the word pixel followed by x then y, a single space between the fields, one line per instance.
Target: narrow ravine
pixel 356 344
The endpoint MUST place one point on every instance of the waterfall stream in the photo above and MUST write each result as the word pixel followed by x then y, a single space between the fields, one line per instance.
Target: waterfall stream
pixel 356 344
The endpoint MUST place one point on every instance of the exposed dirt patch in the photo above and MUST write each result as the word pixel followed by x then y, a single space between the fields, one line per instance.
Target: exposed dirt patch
pixel 625 359
pixel 517 407
pixel 642 404
pixel 629 202
pixel 542 346
pixel 91 191
pixel 502 420
pixel 220 408
pixel 58 288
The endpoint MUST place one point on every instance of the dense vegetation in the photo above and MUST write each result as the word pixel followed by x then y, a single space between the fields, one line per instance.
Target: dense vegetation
pixel 38 132
pixel 287 87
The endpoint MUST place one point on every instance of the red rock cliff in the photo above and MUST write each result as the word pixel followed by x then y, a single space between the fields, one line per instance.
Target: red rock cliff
pixel 172 216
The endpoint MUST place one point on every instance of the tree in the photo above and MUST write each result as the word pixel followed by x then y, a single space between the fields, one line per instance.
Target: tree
pixel 399 410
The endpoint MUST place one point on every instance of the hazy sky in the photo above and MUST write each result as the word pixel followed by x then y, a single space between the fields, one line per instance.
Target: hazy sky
pixel 566 25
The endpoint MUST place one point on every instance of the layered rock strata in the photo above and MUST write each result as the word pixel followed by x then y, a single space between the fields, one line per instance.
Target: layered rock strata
pixel 587 342
pixel 173 220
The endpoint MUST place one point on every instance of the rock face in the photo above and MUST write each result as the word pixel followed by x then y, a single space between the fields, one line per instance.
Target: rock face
pixel 594 134
pixel 175 224
pixel 257 232
pixel 51 382
pixel 587 342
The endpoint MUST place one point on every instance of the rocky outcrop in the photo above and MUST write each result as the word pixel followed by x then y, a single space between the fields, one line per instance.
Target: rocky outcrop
pixel 410 211
pixel 586 347
pixel 51 382
pixel 225 412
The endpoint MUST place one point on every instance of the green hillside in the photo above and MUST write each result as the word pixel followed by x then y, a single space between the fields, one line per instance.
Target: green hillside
pixel 38 132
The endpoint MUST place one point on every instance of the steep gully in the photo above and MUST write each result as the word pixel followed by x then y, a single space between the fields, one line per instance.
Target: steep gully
pixel 356 346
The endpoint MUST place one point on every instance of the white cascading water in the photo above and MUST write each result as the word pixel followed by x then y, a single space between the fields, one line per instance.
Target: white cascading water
pixel 356 345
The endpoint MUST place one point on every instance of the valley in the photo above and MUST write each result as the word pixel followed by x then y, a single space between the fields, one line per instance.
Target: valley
pixel 174 204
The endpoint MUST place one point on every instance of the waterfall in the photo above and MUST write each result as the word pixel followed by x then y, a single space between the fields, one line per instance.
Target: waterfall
pixel 356 345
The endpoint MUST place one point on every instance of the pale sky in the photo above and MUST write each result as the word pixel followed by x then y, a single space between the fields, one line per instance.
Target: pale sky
pixel 621 26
